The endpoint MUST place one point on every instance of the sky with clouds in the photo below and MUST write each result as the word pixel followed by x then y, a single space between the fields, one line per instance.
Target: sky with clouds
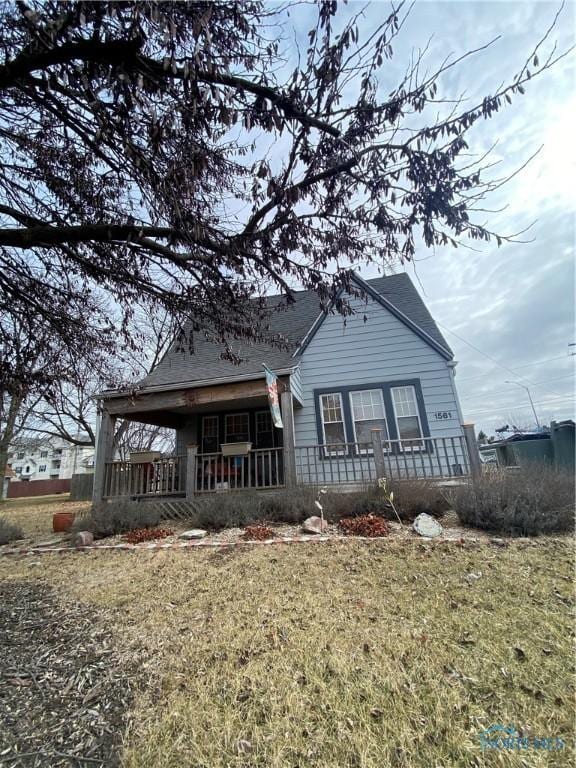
pixel 508 312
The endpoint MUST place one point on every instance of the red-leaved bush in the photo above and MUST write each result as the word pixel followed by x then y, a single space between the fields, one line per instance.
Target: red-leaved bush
pixel 365 525
pixel 258 533
pixel 138 535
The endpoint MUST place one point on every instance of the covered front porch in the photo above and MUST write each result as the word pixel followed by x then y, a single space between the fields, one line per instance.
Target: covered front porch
pixel 223 436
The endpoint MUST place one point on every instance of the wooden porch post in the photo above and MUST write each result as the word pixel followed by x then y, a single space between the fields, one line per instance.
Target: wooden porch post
pixel 288 439
pixel 472 447
pixel 104 453
pixel 378 451
pixel 191 451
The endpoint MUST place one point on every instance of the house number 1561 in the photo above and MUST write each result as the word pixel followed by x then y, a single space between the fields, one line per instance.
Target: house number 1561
pixel 443 415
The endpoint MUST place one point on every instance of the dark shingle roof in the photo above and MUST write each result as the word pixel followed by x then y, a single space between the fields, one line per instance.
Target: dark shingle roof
pixel 292 322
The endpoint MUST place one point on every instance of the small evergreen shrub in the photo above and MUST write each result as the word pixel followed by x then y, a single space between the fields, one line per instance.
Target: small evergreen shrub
pixel 534 500
pixel 370 501
pixel 9 531
pixel 234 510
pixel 289 507
pixel 114 517
pixel 413 497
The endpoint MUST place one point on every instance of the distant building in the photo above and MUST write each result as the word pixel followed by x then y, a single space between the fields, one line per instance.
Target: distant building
pixel 49 459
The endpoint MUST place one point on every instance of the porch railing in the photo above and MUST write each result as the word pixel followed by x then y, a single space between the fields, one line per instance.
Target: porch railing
pixel 335 464
pixel 355 463
pixel 162 477
pixel 258 469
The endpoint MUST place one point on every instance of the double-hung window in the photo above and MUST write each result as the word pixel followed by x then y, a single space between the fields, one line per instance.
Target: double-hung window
pixel 368 413
pixel 264 430
pixel 209 434
pixel 236 428
pixel 333 428
pixel 407 417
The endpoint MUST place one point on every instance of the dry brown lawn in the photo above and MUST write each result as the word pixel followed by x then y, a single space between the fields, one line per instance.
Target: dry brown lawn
pixel 34 515
pixel 391 653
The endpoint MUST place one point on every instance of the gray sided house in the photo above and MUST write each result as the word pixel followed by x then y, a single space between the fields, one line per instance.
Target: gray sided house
pixel 362 397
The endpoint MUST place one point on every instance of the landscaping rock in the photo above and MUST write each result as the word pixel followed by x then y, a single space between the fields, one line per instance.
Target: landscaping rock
pixel 193 533
pixel 471 577
pixel 315 525
pixel 243 746
pixel 428 526
pixel 83 539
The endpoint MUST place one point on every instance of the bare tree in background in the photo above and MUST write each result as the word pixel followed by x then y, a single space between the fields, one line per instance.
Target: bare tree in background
pixel 66 409
pixel 34 367
pixel 136 159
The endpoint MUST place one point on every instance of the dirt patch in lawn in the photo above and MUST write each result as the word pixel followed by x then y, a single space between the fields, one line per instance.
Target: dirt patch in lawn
pixel 64 691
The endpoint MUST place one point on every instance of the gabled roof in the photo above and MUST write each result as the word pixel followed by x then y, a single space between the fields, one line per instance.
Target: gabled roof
pixel 297 323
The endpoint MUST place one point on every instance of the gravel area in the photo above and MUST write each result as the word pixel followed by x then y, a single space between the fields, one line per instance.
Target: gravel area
pixel 64 690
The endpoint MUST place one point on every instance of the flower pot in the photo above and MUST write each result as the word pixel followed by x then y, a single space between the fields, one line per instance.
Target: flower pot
pixel 62 521
pixel 144 457
pixel 236 449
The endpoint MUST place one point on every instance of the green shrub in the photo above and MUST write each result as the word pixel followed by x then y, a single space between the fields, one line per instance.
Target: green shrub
pixel 234 510
pixel 370 501
pixel 534 500
pixel 114 517
pixel 9 531
pixel 292 506
pixel 412 497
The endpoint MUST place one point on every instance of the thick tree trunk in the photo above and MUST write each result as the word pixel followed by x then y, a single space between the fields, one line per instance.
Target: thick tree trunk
pixel 7 435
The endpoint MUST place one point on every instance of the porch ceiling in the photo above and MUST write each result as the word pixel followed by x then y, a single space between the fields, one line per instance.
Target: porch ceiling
pixel 167 408
pixel 174 418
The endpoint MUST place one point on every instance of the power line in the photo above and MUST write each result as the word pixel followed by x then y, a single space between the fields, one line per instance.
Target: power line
pixel 554 401
pixel 518 367
pixel 505 391
pixel 496 362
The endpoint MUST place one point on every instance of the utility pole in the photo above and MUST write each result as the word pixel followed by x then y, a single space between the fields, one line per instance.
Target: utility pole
pixel 529 398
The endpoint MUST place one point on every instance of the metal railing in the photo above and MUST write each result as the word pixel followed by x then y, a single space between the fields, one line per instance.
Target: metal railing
pixel 258 469
pixel 161 477
pixel 355 463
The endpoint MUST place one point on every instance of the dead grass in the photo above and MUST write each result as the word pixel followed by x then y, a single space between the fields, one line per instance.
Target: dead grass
pixel 393 653
pixel 34 515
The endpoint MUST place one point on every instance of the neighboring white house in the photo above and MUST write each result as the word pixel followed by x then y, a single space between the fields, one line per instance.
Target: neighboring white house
pixel 50 459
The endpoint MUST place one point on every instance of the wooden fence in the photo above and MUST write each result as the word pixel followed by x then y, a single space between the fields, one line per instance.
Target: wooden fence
pixel 20 489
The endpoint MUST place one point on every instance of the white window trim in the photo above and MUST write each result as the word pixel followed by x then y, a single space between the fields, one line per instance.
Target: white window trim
pixel 211 416
pixel 227 416
pixel 401 447
pixel 385 442
pixel 339 395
